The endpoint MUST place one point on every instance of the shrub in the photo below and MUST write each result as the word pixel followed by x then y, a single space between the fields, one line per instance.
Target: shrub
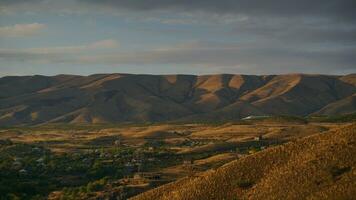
pixel 244 184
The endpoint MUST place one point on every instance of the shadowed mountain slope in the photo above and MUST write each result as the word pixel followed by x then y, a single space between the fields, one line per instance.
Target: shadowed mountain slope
pixel 110 98
pixel 322 166
pixel 343 106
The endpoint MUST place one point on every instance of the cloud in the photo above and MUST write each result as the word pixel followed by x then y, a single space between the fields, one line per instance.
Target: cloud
pixel 298 31
pixel 21 30
pixel 55 54
pixel 76 49
pixel 14 7
pixel 337 9
pixel 316 21
pixel 228 55
pixel 11 2
pixel 235 58
pixel 260 36
pixel 343 9
pixel 104 44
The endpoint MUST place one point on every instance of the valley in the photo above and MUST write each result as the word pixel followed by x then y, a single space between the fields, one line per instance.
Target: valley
pixel 118 161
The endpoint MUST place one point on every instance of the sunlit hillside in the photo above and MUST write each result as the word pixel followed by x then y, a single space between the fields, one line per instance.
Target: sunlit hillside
pixel 316 167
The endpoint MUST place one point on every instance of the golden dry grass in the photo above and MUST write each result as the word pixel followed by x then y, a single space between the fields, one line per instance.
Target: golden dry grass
pixel 222 135
pixel 223 157
pixel 322 166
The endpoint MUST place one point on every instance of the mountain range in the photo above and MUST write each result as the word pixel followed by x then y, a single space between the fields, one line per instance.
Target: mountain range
pixel 117 98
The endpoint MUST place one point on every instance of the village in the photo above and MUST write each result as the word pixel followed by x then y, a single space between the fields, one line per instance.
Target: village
pixel 126 167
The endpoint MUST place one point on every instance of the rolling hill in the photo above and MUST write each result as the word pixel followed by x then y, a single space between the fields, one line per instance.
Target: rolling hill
pixel 322 166
pixel 112 98
pixel 343 106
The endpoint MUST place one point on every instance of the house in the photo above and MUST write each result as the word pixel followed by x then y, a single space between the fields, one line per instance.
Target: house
pixel 137 176
pixel 254 117
pixel 188 162
pixel 36 149
pixel 23 172
pixel 147 175
pixel 107 161
pixel 16 165
pixel 240 155
pixel 130 167
pixel 117 143
pixel 258 138
pixel 151 159
pixel 17 159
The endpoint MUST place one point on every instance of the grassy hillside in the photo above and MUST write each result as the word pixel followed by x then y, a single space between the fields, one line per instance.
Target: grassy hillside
pixel 316 167
pixel 343 106
pixel 334 119
pixel 121 98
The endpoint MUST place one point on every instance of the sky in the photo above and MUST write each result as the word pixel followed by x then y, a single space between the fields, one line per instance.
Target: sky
pixel 83 37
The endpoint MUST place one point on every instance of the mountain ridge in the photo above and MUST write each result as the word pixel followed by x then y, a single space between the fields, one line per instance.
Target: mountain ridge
pixel 117 97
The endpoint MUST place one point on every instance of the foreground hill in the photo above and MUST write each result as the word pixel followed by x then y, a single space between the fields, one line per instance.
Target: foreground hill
pixel 108 98
pixel 322 166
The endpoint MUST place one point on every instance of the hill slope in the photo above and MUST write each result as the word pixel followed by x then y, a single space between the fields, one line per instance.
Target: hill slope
pixel 322 166
pixel 343 106
pixel 108 98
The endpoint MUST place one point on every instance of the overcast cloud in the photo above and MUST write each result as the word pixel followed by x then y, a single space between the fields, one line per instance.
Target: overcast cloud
pixel 21 30
pixel 277 36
